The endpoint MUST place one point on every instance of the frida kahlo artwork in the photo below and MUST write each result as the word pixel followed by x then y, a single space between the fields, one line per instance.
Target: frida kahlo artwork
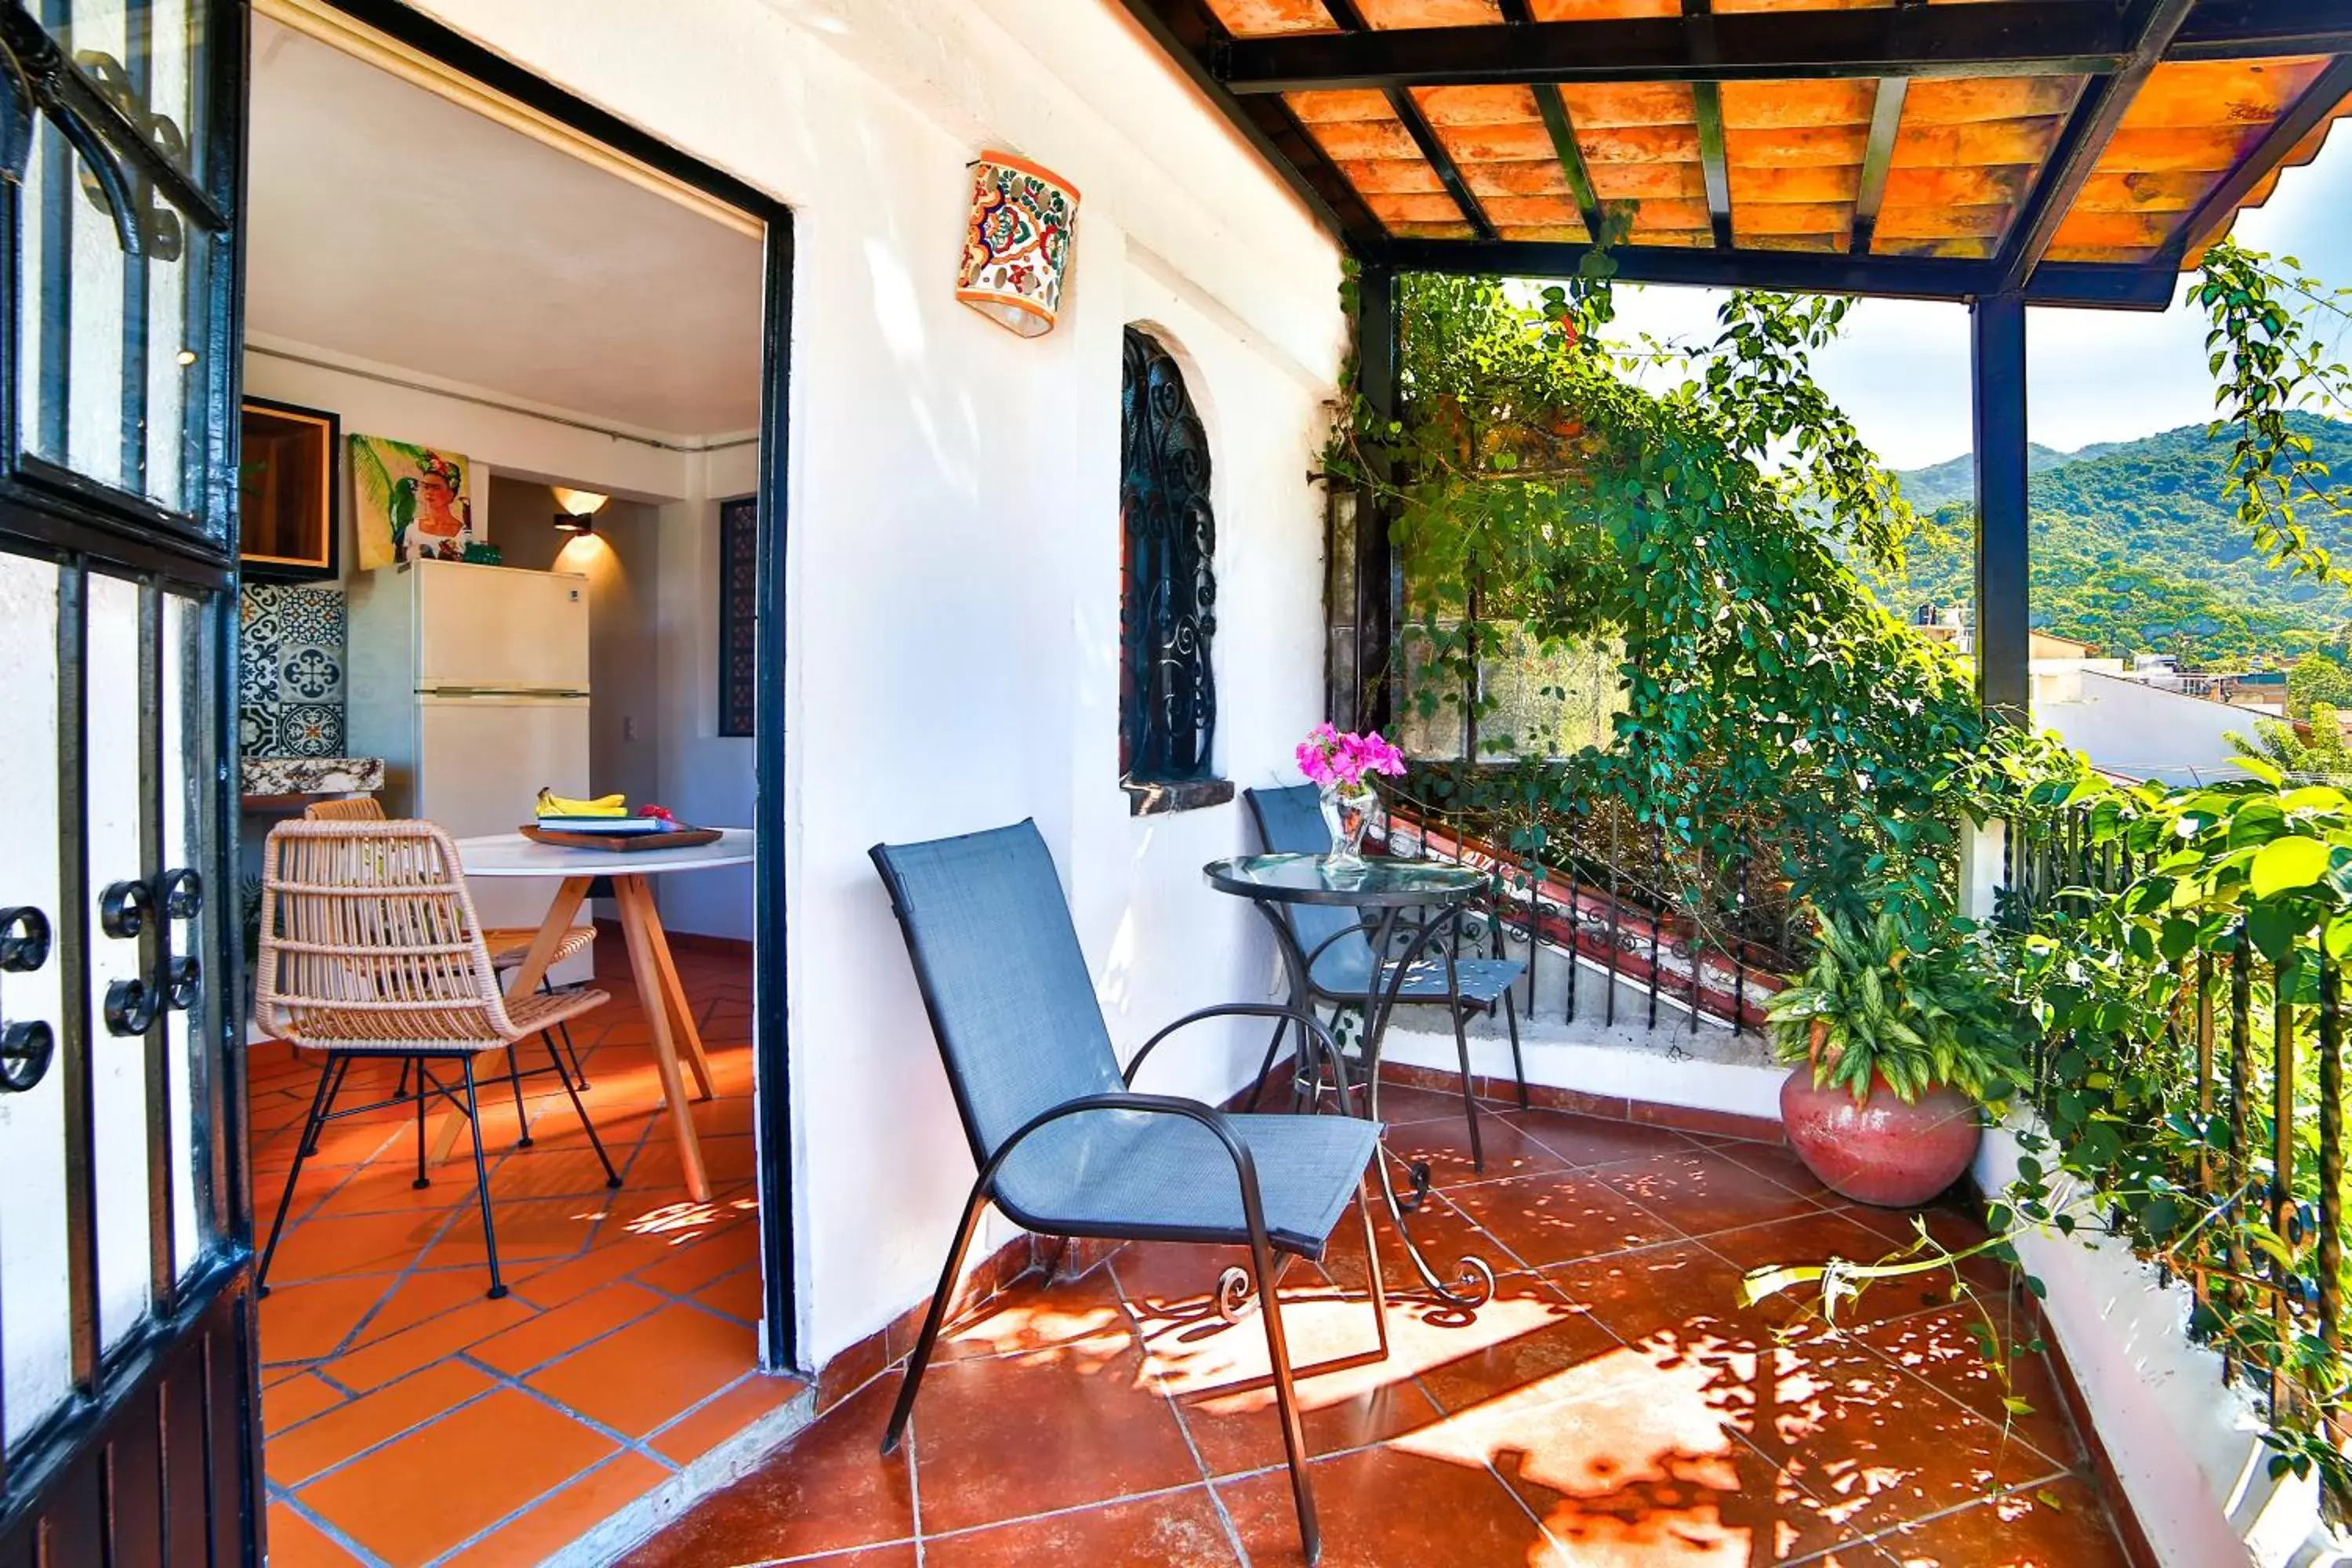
pixel 411 502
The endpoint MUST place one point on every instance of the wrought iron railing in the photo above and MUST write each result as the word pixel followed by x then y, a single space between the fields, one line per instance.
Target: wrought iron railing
pixel 2231 1079
pixel 1671 934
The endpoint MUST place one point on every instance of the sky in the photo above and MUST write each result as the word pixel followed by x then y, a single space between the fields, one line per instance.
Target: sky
pixel 1901 372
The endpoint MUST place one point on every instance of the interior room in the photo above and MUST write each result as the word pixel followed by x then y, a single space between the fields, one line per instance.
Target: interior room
pixel 501 447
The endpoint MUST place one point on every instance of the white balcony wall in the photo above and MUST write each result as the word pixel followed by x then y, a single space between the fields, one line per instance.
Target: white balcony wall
pixel 952 629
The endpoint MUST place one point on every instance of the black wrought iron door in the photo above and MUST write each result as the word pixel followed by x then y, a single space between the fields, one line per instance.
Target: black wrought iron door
pixel 128 1421
pixel 1169 708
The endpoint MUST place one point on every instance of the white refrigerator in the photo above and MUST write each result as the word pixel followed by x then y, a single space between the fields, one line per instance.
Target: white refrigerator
pixel 471 682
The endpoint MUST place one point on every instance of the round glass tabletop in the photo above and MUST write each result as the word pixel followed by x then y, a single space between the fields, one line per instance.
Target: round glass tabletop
pixel 1309 880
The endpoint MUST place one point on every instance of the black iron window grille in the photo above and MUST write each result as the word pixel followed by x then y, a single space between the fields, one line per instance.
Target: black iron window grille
pixel 1167 696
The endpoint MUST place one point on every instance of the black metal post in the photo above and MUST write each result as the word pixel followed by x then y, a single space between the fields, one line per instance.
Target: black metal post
pixel 1996 338
pixel 1376 380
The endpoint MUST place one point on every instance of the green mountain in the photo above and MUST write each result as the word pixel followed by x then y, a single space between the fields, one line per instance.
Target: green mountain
pixel 2135 549
pixel 1938 485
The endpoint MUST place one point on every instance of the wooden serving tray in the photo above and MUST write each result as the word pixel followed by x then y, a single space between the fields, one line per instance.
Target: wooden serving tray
pixel 623 843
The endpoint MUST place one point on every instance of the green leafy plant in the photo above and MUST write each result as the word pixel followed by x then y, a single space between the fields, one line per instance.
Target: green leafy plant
pixel 1872 1007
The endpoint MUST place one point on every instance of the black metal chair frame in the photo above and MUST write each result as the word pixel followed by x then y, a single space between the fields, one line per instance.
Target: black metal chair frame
pixel 428 1089
pixel 1265 1269
pixel 1306 993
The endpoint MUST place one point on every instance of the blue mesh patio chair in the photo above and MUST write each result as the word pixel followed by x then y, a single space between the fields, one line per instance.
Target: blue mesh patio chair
pixel 1064 1146
pixel 1340 954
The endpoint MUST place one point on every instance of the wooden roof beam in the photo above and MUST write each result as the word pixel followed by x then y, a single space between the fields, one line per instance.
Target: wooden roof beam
pixel 1707 104
pixel 1997 37
pixel 2109 287
pixel 1424 135
pixel 2152 23
pixel 1561 126
pixel 1878 154
pixel 1190 34
pixel 2251 29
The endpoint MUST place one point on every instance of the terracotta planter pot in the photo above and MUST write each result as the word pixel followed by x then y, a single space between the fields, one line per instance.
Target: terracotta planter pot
pixel 1881 1152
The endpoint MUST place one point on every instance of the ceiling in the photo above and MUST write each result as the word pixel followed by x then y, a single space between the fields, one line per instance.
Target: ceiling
pixel 2074 150
pixel 392 224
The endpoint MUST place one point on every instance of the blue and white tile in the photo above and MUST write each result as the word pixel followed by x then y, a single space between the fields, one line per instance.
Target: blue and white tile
pixel 308 672
pixel 311 730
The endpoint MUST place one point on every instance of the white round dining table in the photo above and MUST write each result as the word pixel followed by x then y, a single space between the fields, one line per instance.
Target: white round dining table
pixel 667 1012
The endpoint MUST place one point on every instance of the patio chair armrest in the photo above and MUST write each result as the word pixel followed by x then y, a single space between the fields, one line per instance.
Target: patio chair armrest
pixel 1299 1016
pixel 1215 1121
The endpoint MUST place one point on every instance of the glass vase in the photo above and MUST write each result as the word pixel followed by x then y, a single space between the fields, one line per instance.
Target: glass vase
pixel 1347 812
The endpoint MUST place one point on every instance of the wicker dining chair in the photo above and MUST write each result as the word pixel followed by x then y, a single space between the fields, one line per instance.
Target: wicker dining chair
pixel 370 948
pixel 1339 957
pixel 508 946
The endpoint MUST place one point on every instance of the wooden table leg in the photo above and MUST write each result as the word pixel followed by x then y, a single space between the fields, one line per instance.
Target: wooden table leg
pixel 560 913
pixel 689 1035
pixel 645 959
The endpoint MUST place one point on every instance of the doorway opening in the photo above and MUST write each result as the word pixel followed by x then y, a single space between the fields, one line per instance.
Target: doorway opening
pixel 546 359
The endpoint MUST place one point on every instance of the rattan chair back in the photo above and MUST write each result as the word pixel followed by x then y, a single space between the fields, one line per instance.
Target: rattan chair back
pixel 352 808
pixel 369 943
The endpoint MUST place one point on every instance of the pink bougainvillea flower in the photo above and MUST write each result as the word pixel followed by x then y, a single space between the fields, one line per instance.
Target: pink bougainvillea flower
pixel 1328 758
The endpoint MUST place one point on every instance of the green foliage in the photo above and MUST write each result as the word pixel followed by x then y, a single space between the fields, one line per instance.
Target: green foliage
pixel 2314 753
pixel 1536 491
pixel 2212 927
pixel 1918 1019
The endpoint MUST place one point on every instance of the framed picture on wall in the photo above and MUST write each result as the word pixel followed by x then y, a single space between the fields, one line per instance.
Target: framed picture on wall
pixel 286 491
pixel 739 616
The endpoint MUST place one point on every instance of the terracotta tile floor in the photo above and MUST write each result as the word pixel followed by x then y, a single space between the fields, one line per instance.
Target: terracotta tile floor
pixel 410 1420
pixel 1611 1408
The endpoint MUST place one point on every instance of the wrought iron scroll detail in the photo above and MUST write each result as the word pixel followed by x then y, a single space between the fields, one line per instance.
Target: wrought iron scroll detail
pixel 1168 708
pixel 126 153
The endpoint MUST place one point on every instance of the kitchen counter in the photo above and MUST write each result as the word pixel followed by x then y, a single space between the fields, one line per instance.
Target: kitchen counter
pixel 281 776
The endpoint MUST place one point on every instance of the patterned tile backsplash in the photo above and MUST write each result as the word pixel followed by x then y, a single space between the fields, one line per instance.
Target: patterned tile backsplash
pixel 290 649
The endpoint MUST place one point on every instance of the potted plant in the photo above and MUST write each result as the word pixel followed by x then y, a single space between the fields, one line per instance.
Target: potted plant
pixel 1897 1051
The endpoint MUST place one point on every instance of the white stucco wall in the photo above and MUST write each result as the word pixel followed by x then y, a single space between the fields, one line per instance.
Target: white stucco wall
pixel 953 521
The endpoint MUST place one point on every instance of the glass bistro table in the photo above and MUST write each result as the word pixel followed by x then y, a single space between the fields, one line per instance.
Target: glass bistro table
pixel 1421 901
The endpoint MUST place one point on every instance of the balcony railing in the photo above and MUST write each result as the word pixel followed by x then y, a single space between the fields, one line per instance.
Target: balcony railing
pixel 1584 885
pixel 2231 1079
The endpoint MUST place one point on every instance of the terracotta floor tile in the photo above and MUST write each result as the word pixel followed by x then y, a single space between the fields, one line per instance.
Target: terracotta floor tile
pixel 1557 1219
pixel 1034 1316
pixel 1939 1347
pixel 560 1331
pixel 1013 1436
pixel 304 1320
pixel 1441 1229
pixel 1778 1161
pixel 297 1398
pixel 553 1284
pixel 2057 1526
pixel 1382 1507
pixel 1676 1286
pixel 1816 1238
pixel 741 1295
pixel 338 1248
pixel 1401 1104
pixel 1598 1139
pixel 1702 1191
pixel 295 1542
pixel 1528 1337
pixel 397 1355
pixel 653 1371
pixel 442 1484
pixel 556 1522
pixel 294 1456
pixel 1876 1444
pixel 724 1415
pixel 829 1489
pixel 717 1252
pixel 413 1300
pixel 1445 1147
pixel 529 1230
pixel 1948 1228
pixel 1180 1530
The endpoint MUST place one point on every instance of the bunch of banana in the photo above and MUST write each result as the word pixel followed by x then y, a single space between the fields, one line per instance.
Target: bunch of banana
pixel 553 804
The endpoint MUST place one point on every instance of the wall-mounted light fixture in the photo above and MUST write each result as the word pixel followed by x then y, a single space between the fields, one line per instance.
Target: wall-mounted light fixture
pixel 1018 233
pixel 579 510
